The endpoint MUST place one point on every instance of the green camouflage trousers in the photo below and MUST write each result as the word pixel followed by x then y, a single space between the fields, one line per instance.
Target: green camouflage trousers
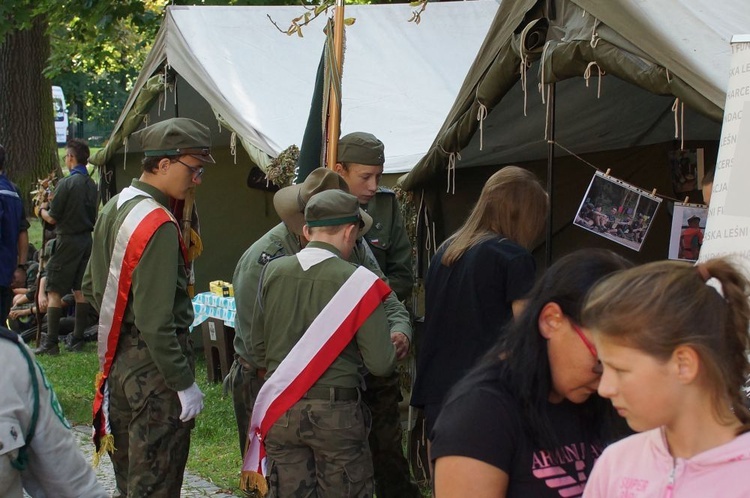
pixel 151 443
pixel 318 448
pixel 244 384
pixel 392 477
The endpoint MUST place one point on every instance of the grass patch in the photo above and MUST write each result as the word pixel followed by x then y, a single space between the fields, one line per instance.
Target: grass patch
pixel 213 446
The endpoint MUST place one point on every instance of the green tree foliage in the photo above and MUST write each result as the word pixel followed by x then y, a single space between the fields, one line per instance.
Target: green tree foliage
pixel 35 35
pixel 94 50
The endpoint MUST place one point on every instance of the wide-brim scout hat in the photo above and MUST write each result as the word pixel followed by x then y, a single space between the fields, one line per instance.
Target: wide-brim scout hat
pixel 361 148
pixel 290 201
pixel 694 218
pixel 334 208
pixel 176 137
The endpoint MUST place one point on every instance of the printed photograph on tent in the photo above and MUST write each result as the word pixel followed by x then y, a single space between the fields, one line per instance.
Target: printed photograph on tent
pixel 687 169
pixel 616 210
pixel 688 227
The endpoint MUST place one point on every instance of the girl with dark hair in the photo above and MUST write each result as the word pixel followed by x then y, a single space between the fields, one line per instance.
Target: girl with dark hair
pixel 674 352
pixel 527 420
pixel 475 283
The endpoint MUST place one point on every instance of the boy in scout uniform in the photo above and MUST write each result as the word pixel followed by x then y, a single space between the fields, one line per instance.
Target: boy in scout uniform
pixel 73 212
pixel 146 396
pixel 318 447
pixel 360 162
pixel 245 379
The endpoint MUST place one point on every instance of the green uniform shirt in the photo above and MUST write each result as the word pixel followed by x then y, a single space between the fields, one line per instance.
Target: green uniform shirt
pixel 389 242
pixel 291 298
pixel 277 242
pixel 74 205
pixel 158 303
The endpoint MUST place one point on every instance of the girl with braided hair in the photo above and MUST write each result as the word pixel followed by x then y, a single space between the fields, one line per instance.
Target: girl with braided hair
pixel 674 351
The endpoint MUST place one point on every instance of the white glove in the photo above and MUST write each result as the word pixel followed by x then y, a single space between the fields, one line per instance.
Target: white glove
pixel 191 400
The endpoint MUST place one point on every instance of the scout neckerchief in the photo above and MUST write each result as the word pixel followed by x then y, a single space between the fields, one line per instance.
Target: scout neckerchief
pixel 79 169
pixel 132 238
pixel 319 346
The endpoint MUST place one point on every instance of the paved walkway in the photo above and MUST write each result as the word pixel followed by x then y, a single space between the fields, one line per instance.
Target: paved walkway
pixel 192 485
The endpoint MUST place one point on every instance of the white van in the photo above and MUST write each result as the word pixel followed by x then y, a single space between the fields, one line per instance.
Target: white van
pixel 61 115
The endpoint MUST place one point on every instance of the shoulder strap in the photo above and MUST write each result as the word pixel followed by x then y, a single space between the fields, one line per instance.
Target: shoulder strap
pixel 23 458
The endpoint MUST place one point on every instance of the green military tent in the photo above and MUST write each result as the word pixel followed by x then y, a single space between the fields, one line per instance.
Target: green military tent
pixel 613 84
pixel 233 70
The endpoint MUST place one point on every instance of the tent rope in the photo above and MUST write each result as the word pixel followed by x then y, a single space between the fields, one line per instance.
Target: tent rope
pixel 125 153
pixel 595 34
pixel 233 146
pixel 678 108
pixel 451 167
pixel 430 243
pixel 576 156
pixel 166 85
pixel 525 62
pixel 482 115
pixel 541 77
pixel 452 158
pixel 587 76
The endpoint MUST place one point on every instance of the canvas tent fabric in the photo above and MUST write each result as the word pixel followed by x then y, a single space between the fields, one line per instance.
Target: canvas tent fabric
pixel 652 52
pixel 399 78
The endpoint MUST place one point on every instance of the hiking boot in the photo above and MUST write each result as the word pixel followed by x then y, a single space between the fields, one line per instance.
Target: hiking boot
pixel 73 344
pixel 48 348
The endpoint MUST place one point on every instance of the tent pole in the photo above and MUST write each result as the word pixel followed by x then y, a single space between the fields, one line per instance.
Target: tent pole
pixel 550 170
pixel 334 110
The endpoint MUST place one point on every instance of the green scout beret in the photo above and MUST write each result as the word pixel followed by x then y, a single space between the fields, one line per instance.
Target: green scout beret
pixel 176 137
pixel 336 207
pixel 361 148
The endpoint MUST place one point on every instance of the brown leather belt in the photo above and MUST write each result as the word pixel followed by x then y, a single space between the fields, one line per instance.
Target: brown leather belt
pixel 260 372
pixel 333 393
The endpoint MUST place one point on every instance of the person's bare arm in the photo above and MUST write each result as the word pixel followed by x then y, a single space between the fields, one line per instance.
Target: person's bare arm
pixel 458 477
pixel 23 247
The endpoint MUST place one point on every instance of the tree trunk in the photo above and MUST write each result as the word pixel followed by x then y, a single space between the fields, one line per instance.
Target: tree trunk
pixel 27 128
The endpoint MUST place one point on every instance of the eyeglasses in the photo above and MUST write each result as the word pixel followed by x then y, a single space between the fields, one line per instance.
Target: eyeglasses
pixel 196 170
pixel 597 369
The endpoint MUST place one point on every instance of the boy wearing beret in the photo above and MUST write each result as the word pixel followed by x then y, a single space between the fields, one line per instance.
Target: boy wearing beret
pixel 309 417
pixel 360 160
pixel 146 397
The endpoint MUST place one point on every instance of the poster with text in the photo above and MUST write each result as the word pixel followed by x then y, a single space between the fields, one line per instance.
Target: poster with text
pixel 688 227
pixel 617 211
pixel 728 226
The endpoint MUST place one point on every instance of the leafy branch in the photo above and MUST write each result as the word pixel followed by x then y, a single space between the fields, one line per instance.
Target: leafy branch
pixel 416 15
pixel 296 24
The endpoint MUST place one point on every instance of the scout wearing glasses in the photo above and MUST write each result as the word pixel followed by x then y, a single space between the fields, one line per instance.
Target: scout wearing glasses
pixel 146 396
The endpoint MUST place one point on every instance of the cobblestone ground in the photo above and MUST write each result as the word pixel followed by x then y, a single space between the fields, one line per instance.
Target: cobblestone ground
pixel 192 485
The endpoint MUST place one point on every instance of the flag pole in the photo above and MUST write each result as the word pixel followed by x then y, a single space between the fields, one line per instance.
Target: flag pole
pixel 334 109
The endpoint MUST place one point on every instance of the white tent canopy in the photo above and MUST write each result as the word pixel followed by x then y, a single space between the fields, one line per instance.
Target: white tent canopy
pixel 399 78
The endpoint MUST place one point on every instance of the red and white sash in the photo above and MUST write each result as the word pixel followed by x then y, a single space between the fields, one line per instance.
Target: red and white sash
pixel 132 238
pixel 316 350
